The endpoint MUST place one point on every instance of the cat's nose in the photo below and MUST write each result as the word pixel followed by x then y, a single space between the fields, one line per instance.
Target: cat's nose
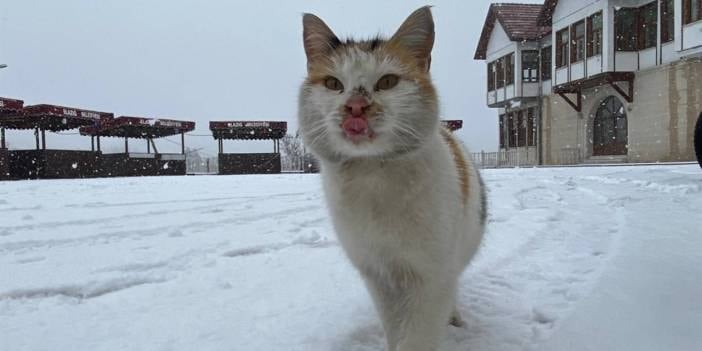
pixel 357 105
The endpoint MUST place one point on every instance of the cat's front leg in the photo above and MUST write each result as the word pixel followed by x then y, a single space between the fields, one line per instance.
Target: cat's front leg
pixel 425 312
pixel 413 309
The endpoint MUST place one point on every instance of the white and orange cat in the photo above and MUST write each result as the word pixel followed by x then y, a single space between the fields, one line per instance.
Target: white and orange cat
pixel 406 202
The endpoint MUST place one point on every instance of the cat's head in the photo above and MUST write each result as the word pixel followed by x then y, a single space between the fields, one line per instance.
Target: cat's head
pixel 370 98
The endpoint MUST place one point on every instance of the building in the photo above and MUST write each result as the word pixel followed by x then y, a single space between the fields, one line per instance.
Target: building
pixel 595 81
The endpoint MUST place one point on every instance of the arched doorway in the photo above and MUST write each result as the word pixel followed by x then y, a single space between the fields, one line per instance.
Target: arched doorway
pixel 609 131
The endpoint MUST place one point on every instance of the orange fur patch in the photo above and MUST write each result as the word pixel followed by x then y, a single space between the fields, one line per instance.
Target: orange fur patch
pixel 460 161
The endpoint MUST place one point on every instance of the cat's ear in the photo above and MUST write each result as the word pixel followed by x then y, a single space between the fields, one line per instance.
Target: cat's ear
pixel 416 34
pixel 319 40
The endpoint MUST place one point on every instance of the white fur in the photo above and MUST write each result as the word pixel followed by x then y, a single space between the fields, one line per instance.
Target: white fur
pixel 404 226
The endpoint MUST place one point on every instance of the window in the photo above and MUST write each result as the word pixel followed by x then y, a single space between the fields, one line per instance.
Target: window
pixel 512 129
pixel 562 48
pixel 531 127
pixel 594 35
pixel 546 63
pixel 667 21
pixel 499 74
pixel 509 69
pixel 625 29
pixel 692 11
pixel 647 26
pixel 530 66
pixel 502 131
pixel 491 76
pixel 577 44
pixel 521 129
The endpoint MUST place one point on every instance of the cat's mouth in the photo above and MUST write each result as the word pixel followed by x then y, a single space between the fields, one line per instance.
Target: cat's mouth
pixel 357 129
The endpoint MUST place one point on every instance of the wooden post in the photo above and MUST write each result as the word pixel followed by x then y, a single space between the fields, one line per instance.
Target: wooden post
pixel 148 145
pixel 36 135
pixel 126 145
pixel 92 143
pixel 182 143
pixel 208 164
pixel 2 138
pixel 98 143
pixel 43 140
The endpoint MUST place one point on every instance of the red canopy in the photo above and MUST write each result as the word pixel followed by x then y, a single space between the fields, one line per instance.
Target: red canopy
pixel 10 107
pixel 138 127
pixel 248 130
pixel 452 125
pixel 50 117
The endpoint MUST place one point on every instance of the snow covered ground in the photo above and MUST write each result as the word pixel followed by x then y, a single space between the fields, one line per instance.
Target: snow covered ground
pixel 605 258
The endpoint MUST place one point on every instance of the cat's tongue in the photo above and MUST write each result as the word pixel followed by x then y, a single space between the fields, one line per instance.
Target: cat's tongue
pixel 355 126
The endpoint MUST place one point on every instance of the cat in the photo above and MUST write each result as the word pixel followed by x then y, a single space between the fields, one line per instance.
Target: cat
pixel 405 200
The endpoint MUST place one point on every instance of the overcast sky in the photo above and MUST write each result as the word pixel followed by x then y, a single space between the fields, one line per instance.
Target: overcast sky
pixel 214 60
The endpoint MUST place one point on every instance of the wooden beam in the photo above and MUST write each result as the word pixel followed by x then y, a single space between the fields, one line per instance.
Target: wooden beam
pixel 630 96
pixel 578 105
pixel 2 138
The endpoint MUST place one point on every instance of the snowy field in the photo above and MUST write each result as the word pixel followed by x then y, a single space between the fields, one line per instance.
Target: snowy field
pixel 603 258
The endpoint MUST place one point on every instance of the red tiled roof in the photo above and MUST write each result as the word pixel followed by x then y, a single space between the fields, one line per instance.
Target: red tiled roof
pixel 546 15
pixel 518 20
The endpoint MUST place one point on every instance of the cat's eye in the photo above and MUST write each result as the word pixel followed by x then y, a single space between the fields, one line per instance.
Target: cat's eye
pixel 387 81
pixel 333 84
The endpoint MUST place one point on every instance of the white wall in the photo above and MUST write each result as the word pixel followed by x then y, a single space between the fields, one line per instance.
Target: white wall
pixel 692 35
pixel 499 44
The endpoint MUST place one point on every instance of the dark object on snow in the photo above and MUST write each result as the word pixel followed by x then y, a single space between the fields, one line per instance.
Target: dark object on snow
pixel 698 139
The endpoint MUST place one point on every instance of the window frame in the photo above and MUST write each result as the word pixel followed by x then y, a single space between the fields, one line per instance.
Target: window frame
pixel 577 42
pixel 499 74
pixel 667 21
pixel 546 62
pixel 521 128
pixel 594 43
pixel 511 130
pixel 618 38
pixel 531 74
pixel 491 76
pixel 502 130
pixel 688 16
pixel 562 46
pixel 531 126
pixel 645 29
pixel 509 69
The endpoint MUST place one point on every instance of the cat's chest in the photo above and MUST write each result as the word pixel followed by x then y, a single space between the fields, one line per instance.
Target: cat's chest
pixel 379 200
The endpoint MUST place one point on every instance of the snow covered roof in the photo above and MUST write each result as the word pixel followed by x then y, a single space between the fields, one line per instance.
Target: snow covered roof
pixel 248 130
pixel 138 127
pixel 518 20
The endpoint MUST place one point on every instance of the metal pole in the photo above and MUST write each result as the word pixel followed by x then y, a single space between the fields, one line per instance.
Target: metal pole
pixel 182 143
pixel 126 145
pixel 36 135
pixel 2 138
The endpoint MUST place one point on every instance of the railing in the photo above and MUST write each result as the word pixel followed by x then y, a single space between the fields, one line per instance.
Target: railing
pixel 520 157
pixel 524 157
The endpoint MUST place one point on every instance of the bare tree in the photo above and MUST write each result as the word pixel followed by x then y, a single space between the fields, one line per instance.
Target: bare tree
pixel 293 152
